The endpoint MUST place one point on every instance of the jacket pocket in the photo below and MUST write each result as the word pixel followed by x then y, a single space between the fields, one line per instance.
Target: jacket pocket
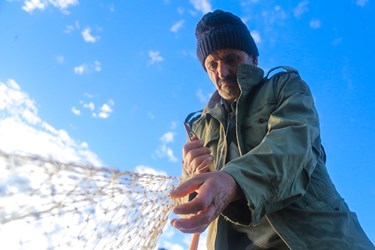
pixel 255 125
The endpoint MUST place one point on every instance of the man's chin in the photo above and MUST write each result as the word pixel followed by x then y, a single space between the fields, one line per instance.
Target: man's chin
pixel 228 96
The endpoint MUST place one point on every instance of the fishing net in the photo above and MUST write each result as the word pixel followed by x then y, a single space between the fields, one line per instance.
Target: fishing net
pixel 46 204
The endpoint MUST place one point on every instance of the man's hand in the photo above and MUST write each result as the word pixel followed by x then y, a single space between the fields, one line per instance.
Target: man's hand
pixel 196 157
pixel 215 191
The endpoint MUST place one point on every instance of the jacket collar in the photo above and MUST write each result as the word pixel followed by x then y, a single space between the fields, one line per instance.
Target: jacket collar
pixel 248 76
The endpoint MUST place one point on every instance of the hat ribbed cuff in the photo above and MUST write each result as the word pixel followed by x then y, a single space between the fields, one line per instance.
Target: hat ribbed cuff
pixel 230 37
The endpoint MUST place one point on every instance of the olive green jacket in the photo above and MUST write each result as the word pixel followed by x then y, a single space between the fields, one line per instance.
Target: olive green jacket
pixel 281 169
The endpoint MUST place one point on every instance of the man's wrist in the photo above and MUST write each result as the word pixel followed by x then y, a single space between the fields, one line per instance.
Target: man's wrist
pixel 236 189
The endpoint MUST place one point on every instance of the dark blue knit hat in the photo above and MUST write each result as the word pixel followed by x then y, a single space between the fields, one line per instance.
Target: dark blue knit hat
pixel 223 30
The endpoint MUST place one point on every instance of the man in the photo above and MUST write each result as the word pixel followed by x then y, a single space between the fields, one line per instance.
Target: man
pixel 256 164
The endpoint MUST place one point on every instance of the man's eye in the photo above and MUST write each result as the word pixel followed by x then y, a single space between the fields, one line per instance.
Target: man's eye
pixel 231 60
pixel 212 65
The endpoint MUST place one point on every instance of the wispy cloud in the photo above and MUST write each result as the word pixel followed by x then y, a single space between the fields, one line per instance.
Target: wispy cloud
pixel 315 23
pixel 63 5
pixel 141 169
pixel 76 111
pixel 90 106
pixel 177 26
pixel 88 68
pixel 336 41
pixel 154 57
pixel 256 36
pixel 60 59
pixel 361 3
pixel 277 15
pixel 164 151
pixel 70 28
pixel 203 6
pixel 103 112
pixel 21 128
pixel 301 8
pixel 88 37
pixel 203 97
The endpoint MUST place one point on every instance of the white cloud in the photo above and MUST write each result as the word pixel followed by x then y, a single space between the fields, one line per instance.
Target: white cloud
pixel 361 3
pixel 90 106
pixel 97 66
pixel 164 150
pixel 274 16
pixel 88 37
pixel 103 112
pixel 154 57
pixel 63 5
pixel 31 5
pixel 203 6
pixel 71 28
pixel 141 169
pixel 177 26
pixel 106 108
pixel 76 111
pixel 315 24
pixel 301 9
pixel 80 69
pixel 88 68
pixel 21 129
pixel 168 137
pixel 256 36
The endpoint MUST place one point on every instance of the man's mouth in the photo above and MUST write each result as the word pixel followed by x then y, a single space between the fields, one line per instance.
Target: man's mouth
pixel 229 80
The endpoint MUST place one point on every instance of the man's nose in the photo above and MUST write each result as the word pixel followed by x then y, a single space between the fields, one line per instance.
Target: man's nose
pixel 222 70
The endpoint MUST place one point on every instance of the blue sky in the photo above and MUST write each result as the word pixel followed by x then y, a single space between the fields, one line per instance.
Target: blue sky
pixel 111 82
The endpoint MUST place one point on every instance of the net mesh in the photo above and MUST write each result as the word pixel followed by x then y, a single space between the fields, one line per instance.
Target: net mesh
pixel 46 204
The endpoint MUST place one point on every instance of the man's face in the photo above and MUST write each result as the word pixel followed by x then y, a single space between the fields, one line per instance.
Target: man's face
pixel 221 66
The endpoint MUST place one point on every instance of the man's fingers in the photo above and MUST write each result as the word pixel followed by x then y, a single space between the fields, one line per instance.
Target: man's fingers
pixel 186 188
pixel 199 204
pixel 191 230
pixel 191 145
pixel 203 167
pixel 192 207
pixel 196 223
pixel 195 153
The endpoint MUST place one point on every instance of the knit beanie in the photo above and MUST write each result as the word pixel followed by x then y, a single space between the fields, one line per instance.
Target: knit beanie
pixel 223 30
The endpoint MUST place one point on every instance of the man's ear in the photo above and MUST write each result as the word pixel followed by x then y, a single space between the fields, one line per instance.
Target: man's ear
pixel 255 60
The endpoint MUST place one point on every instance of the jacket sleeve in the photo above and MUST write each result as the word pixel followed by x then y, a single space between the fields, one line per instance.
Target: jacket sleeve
pixel 277 171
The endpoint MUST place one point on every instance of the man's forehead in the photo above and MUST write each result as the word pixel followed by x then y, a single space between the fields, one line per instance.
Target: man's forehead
pixel 220 53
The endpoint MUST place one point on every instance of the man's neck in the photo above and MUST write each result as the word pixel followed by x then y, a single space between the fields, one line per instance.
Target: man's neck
pixel 229 106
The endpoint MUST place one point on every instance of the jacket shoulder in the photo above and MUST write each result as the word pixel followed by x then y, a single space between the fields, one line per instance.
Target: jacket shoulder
pixel 279 70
